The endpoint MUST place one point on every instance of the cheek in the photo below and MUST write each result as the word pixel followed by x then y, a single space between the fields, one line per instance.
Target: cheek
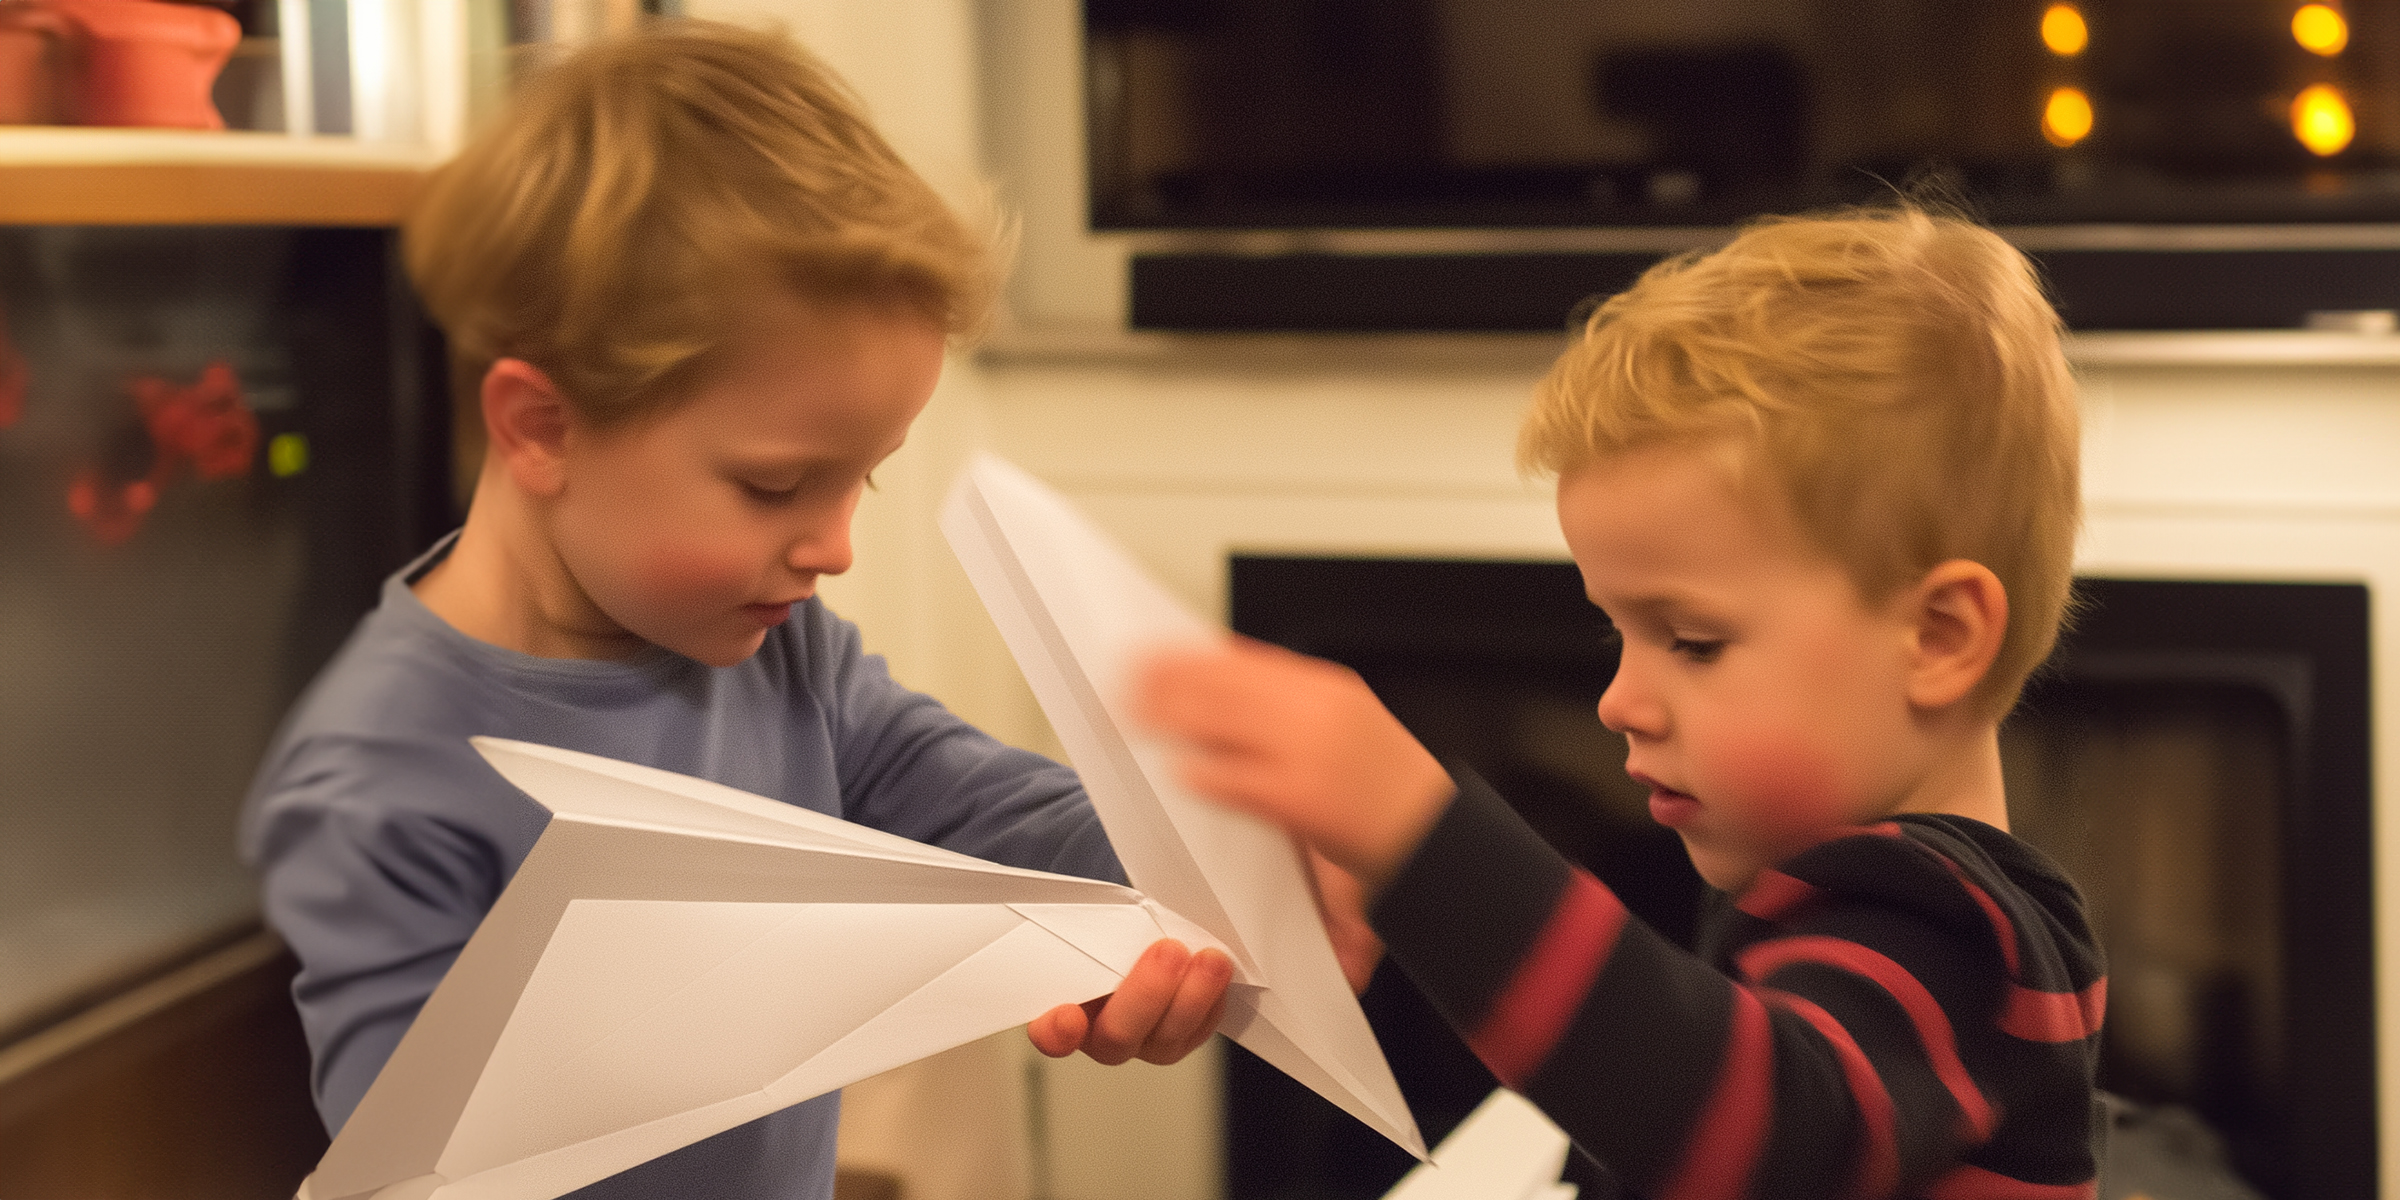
pixel 686 572
pixel 1788 787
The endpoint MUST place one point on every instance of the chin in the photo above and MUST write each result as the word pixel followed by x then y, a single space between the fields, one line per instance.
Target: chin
pixel 723 654
pixel 1718 871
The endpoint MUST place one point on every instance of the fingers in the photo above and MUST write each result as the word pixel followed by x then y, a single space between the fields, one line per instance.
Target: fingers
pixel 1192 1017
pixel 1058 1032
pixel 1244 783
pixel 1181 691
pixel 1128 1018
pixel 1211 696
pixel 1165 1008
pixel 1301 742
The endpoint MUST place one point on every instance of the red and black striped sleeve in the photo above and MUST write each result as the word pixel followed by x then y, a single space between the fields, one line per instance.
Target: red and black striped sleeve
pixel 1854 1047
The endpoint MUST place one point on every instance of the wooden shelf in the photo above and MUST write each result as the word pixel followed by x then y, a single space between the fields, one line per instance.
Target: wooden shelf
pixel 64 176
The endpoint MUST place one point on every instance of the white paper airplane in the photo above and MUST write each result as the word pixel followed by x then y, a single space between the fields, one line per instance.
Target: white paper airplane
pixel 675 958
pixel 1505 1150
pixel 1079 615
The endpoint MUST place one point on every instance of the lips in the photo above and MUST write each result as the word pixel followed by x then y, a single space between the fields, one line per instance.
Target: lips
pixel 769 614
pixel 1668 807
pixel 1672 809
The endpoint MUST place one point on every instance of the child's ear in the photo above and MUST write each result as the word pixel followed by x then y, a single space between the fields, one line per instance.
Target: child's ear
pixel 1960 615
pixel 527 419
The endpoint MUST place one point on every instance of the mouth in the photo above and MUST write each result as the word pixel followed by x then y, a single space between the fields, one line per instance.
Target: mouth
pixel 769 614
pixel 1668 807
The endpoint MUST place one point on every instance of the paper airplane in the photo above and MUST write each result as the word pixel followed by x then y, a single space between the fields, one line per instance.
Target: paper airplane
pixel 676 958
pixel 1078 615
pixel 1505 1150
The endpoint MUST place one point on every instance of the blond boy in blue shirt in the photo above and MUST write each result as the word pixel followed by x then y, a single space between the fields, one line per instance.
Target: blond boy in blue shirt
pixel 694 299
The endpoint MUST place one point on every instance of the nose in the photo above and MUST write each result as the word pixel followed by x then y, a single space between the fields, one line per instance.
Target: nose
pixel 1628 706
pixel 823 547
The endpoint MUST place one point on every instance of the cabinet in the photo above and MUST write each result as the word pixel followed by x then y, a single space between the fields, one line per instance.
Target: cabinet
pixel 147 1040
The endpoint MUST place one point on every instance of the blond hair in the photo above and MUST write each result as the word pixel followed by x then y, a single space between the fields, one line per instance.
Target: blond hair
pixel 608 227
pixel 1895 372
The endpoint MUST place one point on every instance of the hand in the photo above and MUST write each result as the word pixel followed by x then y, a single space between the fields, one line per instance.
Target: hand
pixel 1301 742
pixel 1342 905
pixel 1162 1010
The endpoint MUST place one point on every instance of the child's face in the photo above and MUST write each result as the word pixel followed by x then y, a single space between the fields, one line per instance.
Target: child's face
pixel 1763 701
pixel 698 529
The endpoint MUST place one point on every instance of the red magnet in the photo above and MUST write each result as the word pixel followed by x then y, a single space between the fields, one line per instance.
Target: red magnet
pixel 113 512
pixel 206 423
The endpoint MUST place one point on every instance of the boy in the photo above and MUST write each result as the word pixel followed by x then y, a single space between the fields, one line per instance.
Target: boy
pixel 694 299
pixel 1823 481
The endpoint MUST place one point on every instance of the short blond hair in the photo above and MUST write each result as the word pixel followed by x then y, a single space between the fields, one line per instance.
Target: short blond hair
pixel 1896 373
pixel 608 225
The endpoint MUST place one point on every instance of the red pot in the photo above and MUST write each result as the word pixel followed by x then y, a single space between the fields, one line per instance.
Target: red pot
pixel 30 40
pixel 146 63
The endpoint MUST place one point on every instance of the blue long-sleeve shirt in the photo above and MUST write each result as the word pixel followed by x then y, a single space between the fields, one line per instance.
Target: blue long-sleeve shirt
pixel 382 838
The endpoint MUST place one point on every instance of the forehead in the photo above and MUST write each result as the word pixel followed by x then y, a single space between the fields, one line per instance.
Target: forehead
pixel 1678 522
pixel 799 376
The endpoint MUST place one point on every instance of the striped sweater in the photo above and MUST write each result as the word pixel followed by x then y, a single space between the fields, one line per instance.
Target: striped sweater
pixel 1908 1009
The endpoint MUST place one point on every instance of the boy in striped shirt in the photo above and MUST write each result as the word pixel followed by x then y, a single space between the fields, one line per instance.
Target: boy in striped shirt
pixel 1824 483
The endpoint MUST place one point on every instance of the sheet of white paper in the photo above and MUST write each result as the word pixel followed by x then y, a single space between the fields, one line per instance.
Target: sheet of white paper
pixel 676 958
pixel 1505 1150
pixel 1078 614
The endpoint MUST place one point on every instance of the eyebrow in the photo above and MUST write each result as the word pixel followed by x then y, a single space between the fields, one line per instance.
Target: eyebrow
pixel 775 462
pixel 1659 607
pixel 761 459
pixel 756 458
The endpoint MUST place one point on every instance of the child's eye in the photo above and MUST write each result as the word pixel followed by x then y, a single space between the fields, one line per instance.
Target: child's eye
pixel 770 495
pixel 1699 650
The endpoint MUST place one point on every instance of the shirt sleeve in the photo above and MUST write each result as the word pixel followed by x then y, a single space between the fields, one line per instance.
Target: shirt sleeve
pixel 910 766
pixel 1828 1063
pixel 376 901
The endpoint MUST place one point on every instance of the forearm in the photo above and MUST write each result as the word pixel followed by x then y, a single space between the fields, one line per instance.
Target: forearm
pixel 1674 1074
pixel 906 764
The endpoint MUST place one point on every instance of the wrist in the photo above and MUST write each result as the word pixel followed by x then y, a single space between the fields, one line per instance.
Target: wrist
pixel 1396 832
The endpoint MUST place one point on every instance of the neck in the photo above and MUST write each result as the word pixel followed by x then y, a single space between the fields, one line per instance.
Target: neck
pixel 1965 780
pixel 504 584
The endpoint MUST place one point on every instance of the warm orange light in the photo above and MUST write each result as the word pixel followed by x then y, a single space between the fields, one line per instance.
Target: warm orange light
pixel 2067 119
pixel 2320 29
pixel 2063 30
pixel 2321 120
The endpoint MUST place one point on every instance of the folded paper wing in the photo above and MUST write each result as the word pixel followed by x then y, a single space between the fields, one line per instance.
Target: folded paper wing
pixel 1078 614
pixel 1505 1150
pixel 676 958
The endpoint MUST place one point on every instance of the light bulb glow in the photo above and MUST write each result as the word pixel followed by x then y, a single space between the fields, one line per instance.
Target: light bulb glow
pixel 2063 30
pixel 2067 118
pixel 2320 29
pixel 2322 121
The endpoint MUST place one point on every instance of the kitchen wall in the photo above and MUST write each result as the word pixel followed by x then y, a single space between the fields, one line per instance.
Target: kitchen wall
pixel 2256 456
